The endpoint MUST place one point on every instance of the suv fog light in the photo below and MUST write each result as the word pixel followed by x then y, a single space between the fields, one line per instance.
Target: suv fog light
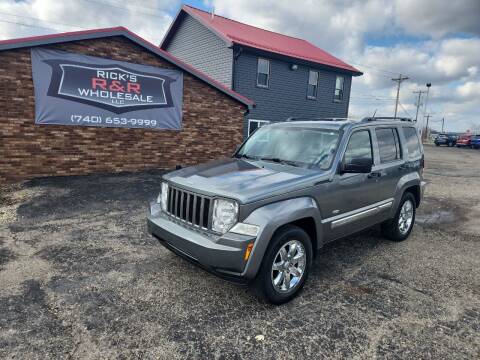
pixel 245 229
pixel 225 213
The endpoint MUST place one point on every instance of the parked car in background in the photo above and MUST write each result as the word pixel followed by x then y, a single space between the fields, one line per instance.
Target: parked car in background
pixel 260 216
pixel 464 141
pixel 445 139
pixel 476 142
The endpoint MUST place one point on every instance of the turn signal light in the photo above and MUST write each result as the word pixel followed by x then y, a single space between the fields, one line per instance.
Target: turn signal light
pixel 248 251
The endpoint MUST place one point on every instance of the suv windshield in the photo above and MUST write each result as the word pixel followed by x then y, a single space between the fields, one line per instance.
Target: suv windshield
pixel 297 146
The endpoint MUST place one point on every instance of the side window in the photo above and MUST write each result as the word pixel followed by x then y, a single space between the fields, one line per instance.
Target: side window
pixel 312 84
pixel 263 72
pixel 388 144
pixel 359 146
pixel 254 124
pixel 413 144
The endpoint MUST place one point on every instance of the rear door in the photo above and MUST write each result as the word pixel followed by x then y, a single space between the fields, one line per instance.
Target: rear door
pixel 390 165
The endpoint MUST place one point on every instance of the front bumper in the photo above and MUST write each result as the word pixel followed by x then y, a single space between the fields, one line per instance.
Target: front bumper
pixel 221 255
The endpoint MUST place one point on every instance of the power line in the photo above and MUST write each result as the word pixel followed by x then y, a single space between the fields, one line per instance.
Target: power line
pixel 38 19
pixel 123 8
pixel 387 72
pixel 30 25
pixel 119 3
pixel 406 111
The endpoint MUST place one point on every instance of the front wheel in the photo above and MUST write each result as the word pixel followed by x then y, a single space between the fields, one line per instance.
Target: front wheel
pixel 400 227
pixel 285 266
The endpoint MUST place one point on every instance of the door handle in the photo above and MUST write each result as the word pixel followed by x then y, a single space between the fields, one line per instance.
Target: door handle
pixel 403 167
pixel 374 174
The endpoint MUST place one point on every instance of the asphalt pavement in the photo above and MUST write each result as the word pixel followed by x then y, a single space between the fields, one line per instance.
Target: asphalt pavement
pixel 80 278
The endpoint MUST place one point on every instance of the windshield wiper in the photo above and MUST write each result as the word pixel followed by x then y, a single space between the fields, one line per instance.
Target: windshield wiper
pixel 245 156
pixel 280 161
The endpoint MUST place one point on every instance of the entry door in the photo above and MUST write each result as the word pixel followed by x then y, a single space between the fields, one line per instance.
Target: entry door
pixel 351 194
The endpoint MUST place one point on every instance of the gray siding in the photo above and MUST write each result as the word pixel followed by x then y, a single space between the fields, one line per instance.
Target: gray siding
pixel 287 93
pixel 198 46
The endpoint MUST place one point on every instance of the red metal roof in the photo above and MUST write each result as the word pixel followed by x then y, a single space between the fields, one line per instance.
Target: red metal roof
pixel 236 32
pixel 120 31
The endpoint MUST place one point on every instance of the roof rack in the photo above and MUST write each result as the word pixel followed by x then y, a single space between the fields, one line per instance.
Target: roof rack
pixel 380 118
pixel 316 119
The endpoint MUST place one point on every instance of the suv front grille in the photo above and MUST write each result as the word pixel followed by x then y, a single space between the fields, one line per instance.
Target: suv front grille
pixel 189 207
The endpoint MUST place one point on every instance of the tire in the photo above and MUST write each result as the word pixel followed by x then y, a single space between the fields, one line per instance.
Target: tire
pixel 284 238
pixel 393 228
pixel 437 144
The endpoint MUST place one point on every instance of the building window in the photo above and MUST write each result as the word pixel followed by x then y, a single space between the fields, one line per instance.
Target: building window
pixel 312 84
pixel 263 72
pixel 339 88
pixel 255 124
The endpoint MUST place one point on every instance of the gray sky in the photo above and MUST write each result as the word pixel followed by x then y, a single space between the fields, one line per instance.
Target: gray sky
pixel 435 41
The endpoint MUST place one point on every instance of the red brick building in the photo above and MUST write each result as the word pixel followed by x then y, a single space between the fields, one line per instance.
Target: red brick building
pixel 212 115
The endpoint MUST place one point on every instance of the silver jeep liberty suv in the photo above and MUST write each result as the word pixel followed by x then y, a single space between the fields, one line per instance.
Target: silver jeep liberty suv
pixel 291 187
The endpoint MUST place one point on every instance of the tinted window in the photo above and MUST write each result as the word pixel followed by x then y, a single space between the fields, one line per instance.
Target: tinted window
pixel 359 146
pixel 413 145
pixel 263 72
pixel 388 144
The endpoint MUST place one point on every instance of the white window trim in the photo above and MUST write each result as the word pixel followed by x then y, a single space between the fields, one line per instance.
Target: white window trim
pixel 268 75
pixel 257 121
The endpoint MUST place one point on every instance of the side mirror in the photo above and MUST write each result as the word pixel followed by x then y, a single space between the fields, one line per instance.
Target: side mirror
pixel 357 165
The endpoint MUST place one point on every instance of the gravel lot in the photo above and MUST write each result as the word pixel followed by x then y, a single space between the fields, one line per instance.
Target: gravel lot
pixel 81 278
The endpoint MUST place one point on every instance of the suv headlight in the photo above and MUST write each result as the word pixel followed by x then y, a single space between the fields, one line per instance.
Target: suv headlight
pixel 225 214
pixel 163 196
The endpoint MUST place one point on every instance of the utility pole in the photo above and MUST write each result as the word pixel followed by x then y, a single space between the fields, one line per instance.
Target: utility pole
pixel 443 123
pixel 419 92
pixel 428 116
pixel 399 81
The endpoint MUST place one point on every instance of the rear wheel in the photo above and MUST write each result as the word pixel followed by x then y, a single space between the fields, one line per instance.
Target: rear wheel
pixel 400 227
pixel 285 266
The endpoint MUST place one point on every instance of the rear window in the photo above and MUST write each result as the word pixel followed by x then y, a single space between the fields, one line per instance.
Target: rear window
pixel 388 144
pixel 412 142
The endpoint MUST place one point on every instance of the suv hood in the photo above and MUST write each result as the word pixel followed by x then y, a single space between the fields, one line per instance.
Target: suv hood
pixel 244 180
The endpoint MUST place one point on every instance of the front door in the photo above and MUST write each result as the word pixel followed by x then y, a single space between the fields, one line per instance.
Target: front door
pixel 348 203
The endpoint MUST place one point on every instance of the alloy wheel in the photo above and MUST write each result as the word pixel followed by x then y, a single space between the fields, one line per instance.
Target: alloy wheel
pixel 288 266
pixel 406 217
